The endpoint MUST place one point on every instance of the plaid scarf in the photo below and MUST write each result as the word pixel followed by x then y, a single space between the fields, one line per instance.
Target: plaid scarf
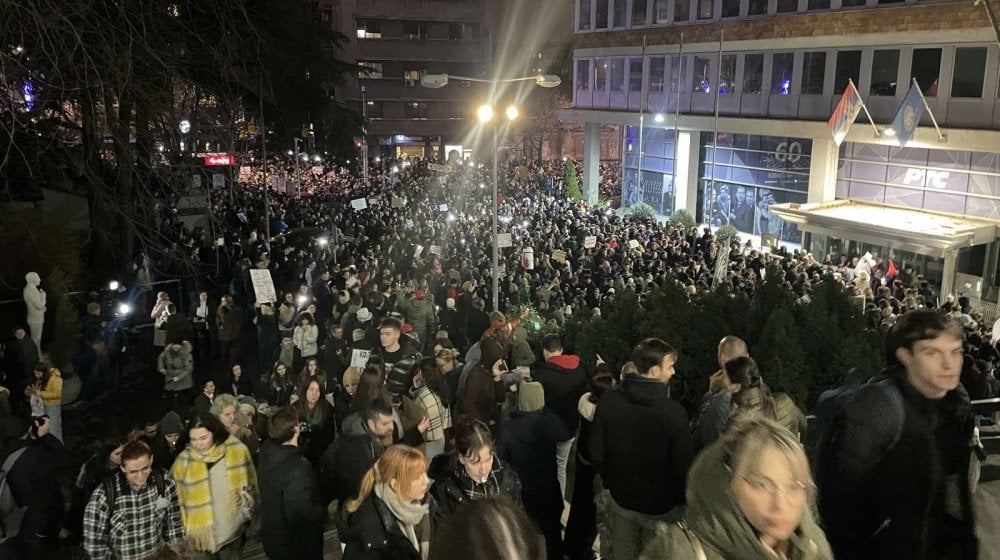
pixel 199 507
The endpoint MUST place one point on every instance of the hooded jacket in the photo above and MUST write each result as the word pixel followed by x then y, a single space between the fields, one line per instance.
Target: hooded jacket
pixel 564 382
pixel 176 364
pixel 419 312
pixel 291 511
pixel 714 517
pixel 640 444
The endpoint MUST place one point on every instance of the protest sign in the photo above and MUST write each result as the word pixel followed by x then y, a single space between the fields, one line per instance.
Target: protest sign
pixel 504 240
pixel 590 242
pixel 263 286
pixel 359 204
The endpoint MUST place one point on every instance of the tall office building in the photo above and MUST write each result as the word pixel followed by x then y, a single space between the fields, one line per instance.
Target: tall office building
pixel 401 40
pixel 724 106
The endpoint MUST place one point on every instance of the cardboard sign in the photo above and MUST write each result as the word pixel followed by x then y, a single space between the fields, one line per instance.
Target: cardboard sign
pixel 443 208
pixel 435 250
pixel 397 202
pixel 438 167
pixel 359 204
pixel 263 286
pixel 559 255
pixel 359 358
pixel 633 244
pixel 590 242
pixel 317 170
pixel 218 180
pixel 504 240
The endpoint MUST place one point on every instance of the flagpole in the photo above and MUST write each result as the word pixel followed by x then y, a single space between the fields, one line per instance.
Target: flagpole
pixel 864 106
pixel 715 139
pixel 677 109
pixel 941 137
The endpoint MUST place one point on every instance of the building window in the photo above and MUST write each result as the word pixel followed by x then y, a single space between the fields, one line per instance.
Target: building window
pixel 781 73
pixel 635 74
pixel 885 71
pixel 416 110
pixel 682 10
pixel 369 29
pixel 757 8
pixel 411 77
pixel 602 15
pixel 813 69
pixel 373 109
pixel 584 15
pixel 374 69
pixel 925 68
pixel 600 74
pixel 706 9
pixel 638 12
pixel 618 15
pixel 701 79
pixel 677 67
pixel 852 3
pixel 848 69
pixel 414 29
pixel 617 75
pixel 583 75
pixel 753 73
pixel 730 8
pixel 727 78
pixel 657 73
pixel 969 73
pixel 661 11
pixel 787 6
pixel 818 5
pixel 457 32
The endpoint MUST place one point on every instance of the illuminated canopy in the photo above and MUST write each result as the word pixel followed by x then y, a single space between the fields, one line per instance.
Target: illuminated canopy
pixel 908 229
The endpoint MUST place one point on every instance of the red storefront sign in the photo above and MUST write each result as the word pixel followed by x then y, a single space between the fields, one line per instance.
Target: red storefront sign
pixel 219 159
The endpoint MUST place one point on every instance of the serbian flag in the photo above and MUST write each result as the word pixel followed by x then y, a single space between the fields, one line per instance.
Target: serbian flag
pixel 843 116
pixel 892 271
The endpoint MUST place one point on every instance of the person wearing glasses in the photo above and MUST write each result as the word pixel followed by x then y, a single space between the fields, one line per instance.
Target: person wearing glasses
pixel 749 496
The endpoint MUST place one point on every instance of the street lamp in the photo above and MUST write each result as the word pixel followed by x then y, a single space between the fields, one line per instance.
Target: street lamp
pixel 485 114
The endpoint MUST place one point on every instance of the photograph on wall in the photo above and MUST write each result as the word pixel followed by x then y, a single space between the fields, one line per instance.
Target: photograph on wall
pixel 717 204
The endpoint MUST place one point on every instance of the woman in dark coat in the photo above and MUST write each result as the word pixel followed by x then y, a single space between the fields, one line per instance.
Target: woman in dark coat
pixel 484 390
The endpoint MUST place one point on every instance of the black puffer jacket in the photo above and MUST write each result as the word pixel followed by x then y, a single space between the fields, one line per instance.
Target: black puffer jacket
pixel 291 511
pixel 452 487
pixel 372 533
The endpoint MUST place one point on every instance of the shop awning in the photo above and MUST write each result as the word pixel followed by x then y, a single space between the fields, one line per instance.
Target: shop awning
pixel 907 229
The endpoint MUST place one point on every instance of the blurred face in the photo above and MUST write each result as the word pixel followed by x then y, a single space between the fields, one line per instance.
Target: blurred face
pixel 313 394
pixel 201 439
pixel 351 388
pixel 19 334
pixel 313 366
pixel 381 428
pixel 665 370
pixel 771 498
pixel 280 370
pixel 210 388
pixel 338 333
pixel 289 299
pixel 203 297
pixel 172 439
pixel 479 466
pixel 115 458
pixel 933 366
pixel 388 336
pixel 137 471
pixel 237 372
pixel 228 416
pixel 415 491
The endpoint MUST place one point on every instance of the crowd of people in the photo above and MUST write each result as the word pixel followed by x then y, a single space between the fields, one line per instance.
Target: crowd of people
pixel 345 358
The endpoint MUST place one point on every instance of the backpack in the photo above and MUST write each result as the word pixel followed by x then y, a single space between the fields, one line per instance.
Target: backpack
pixel 833 401
pixel 11 514
pixel 112 485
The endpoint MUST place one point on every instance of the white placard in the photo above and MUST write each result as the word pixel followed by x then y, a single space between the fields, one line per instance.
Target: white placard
pixel 263 286
pixel 359 203
pixel 218 180
pixel 435 250
pixel 317 170
pixel 245 171
pixel 504 240
pixel 443 208
pixel 397 202
pixel 633 244
pixel 590 242
pixel 559 255
pixel 442 180
pixel 438 167
pixel 418 251
pixel 359 358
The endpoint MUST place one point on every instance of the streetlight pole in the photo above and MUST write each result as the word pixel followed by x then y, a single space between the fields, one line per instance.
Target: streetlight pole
pixel 496 210
pixel 298 184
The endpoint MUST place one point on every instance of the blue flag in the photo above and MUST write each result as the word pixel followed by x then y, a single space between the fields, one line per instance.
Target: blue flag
pixel 908 117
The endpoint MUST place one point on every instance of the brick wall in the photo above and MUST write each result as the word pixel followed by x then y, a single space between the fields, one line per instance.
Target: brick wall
pixel 918 17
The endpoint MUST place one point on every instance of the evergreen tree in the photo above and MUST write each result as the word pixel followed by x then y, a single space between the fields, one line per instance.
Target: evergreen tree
pixel 572 183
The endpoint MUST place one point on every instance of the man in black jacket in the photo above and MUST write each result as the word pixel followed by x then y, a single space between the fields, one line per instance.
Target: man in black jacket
pixel 345 463
pixel 564 381
pixel 893 474
pixel 641 446
pixel 291 511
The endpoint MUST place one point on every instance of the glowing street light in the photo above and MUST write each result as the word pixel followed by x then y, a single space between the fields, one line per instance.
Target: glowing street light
pixel 512 113
pixel 484 114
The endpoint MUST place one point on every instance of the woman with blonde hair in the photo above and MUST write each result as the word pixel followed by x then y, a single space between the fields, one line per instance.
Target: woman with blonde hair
pixel 748 497
pixel 226 408
pixel 389 519
pixel 46 389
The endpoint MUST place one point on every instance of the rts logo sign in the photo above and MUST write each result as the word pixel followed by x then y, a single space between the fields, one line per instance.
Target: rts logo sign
pixel 936 179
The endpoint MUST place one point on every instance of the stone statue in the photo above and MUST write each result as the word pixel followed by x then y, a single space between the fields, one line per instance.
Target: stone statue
pixel 34 300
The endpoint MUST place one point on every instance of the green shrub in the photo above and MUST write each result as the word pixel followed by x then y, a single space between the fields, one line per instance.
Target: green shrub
pixel 682 218
pixel 642 212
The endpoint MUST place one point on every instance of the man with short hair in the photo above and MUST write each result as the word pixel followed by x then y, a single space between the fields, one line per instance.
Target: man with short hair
pixel 345 463
pixel 564 381
pixel 730 347
pixel 135 512
pixel 640 444
pixel 392 347
pixel 291 511
pixel 893 473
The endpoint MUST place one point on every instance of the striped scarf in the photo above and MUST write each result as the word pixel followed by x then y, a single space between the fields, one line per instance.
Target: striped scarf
pixel 199 507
